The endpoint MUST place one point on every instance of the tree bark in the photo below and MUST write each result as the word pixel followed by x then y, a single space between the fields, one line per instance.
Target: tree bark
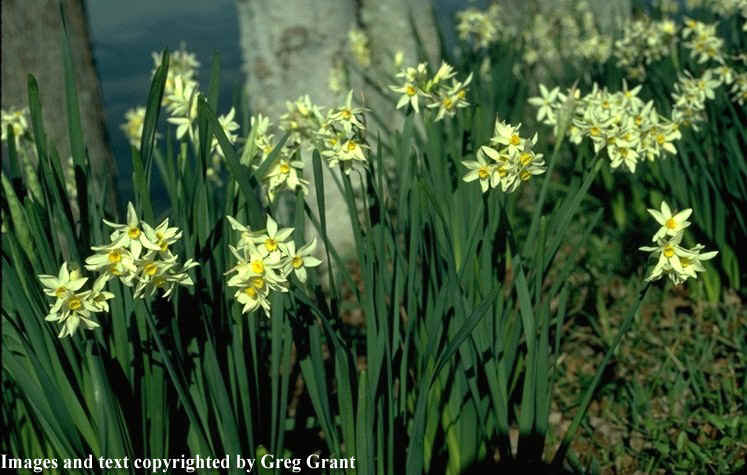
pixel 31 44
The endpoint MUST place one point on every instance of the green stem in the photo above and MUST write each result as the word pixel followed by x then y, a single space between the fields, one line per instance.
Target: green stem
pixel 543 193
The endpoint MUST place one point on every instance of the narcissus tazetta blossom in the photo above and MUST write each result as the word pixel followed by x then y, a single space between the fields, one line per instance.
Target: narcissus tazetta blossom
pixel 74 307
pixel 672 259
pixel 619 123
pixel 418 86
pixel 671 223
pixel 508 161
pixel 140 256
pixel 264 261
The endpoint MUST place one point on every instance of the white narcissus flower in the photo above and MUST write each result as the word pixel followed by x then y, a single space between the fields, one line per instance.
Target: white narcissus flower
pixel 299 260
pixel 74 306
pixel 274 236
pixel 71 312
pixel 545 102
pixel 348 116
pixel 129 235
pixel 481 169
pixel 63 283
pixel 693 264
pixel 114 260
pixel 513 160
pixel 672 259
pixel 133 126
pixel 161 237
pixel 264 261
pixel 668 253
pixel 671 223
pixel 450 99
pixel 409 96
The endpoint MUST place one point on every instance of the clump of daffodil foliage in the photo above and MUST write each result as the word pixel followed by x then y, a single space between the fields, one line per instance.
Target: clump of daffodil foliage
pixel 138 255
pixel 265 259
pixel 418 85
pixel 508 161
pixel 643 42
pixel 673 260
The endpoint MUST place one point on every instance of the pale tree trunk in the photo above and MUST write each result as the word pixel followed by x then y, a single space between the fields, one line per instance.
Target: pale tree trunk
pixel 289 48
pixel 31 44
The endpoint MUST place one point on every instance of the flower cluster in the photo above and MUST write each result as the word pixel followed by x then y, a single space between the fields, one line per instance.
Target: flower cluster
pixel 180 101
pixel 358 41
pixel 74 306
pixel 479 27
pixel 508 161
pixel 690 95
pixel 138 255
pixel 18 121
pixel 338 133
pixel 739 88
pixel 702 41
pixel 673 260
pixel 555 34
pixel 419 85
pixel 620 123
pixel 644 41
pixel 133 126
pixel 265 259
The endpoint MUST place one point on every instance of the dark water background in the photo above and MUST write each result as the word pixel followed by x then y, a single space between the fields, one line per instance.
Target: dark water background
pixel 124 33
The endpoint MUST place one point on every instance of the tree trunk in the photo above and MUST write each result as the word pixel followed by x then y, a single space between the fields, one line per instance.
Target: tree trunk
pixel 31 44
pixel 290 47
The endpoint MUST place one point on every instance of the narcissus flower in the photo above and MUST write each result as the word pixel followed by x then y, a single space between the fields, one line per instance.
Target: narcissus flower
pixel 544 102
pixel 264 261
pixel 418 86
pixel 672 259
pixel 141 256
pixel 299 260
pixel 671 223
pixel 481 170
pixel 512 160
pixel 133 126
pixel 74 307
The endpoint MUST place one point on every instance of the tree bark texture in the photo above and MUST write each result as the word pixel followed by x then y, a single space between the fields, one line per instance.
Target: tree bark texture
pixel 32 44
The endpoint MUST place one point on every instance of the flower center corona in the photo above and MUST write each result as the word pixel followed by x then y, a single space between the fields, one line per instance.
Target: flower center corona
pixel 150 269
pixel 115 256
pixel 258 267
pixel 74 303
pixel 271 244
